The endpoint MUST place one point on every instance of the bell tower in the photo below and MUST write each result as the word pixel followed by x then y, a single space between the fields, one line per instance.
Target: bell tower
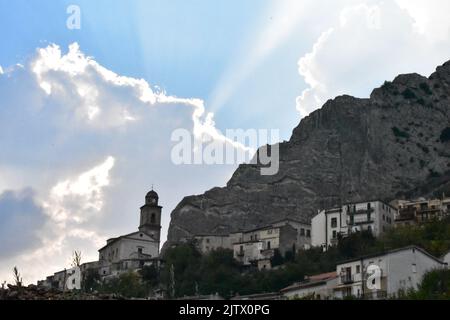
pixel 150 222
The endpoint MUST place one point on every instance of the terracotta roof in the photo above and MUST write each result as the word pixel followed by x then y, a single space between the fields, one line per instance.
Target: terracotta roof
pixel 312 281
pixel 323 276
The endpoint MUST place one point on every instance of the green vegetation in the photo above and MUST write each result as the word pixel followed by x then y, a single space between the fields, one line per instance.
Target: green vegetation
pixel 129 285
pixel 219 272
pixel 426 88
pixel 445 135
pixel 435 286
pixel 400 134
pixel 190 273
pixel 409 94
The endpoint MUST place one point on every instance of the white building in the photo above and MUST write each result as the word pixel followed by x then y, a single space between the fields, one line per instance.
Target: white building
pixel 446 259
pixel 257 247
pixel 396 270
pixel 319 287
pixel 137 249
pixel 209 242
pixel 68 279
pixel 73 281
pixel 329 224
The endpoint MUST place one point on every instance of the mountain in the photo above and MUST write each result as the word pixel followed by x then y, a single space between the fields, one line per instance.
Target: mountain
pixel 395 144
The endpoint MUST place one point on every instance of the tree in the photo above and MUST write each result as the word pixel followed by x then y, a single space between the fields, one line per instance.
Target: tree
pixel 76 259
pixel 91 280
pixel 128 284
pixel 150 275
pixel 17 277
pixel 435 285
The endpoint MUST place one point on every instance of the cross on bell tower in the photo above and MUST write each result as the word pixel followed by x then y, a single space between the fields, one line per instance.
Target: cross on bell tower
pixel 150 222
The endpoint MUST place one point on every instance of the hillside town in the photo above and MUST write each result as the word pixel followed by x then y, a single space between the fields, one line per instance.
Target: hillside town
pixel 255 250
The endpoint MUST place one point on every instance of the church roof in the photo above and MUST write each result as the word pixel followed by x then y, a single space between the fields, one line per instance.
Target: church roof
pixel 114 240
pixel 152 194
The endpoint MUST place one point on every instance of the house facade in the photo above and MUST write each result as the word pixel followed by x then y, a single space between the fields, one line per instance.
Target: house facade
pixel 209 242
pixel 330 224
pixel 257 247
pixel 421 210
pixel 384 275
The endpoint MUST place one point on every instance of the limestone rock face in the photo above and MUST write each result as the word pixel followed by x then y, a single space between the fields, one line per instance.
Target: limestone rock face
pixel 391 145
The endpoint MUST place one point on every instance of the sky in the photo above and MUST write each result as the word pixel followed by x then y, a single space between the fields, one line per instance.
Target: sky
pixel 87 115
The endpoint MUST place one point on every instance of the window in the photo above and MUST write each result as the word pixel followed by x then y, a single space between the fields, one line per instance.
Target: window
pixel 141 235
pixel 334 222
pixel 302 232
pixel 308 233
pixel 268 245
pixel 73 281
pixel 269 231
pixel 140 250
pixel 207 240
pixel 358 269
pixel 384 217
pixel 334 234
pixel 153 218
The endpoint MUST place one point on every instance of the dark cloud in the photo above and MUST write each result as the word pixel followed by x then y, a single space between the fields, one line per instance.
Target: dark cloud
pixel 20 219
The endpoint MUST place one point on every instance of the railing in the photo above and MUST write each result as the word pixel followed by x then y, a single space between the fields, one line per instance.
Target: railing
pixel 346 279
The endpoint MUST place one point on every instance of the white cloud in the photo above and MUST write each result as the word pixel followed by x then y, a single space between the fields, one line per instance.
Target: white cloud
pixel 98 141
pixel 430 17
pixel 371 43
pixel 1 70
pixel 75 199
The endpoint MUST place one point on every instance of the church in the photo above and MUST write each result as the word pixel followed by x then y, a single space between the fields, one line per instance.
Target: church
pixel 137 249
pixel 129 252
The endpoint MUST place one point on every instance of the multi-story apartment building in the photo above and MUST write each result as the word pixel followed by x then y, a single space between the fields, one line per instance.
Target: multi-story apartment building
pixel 328 225
pixel 257 247
pixel 421 210
pixel 383 275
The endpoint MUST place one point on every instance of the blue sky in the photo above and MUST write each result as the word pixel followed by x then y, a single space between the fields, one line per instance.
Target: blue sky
pixel 85 130
pixel 154 40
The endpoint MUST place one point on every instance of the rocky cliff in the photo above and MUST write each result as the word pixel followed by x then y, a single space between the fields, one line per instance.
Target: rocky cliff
pixel 394 144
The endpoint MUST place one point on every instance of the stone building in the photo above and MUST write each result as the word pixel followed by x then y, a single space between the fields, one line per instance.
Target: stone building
pixel 137 249
pixel 257 247
pixel 208 242
pixel 421 210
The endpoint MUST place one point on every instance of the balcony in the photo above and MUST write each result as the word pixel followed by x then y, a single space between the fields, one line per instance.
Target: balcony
pixel 346 279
